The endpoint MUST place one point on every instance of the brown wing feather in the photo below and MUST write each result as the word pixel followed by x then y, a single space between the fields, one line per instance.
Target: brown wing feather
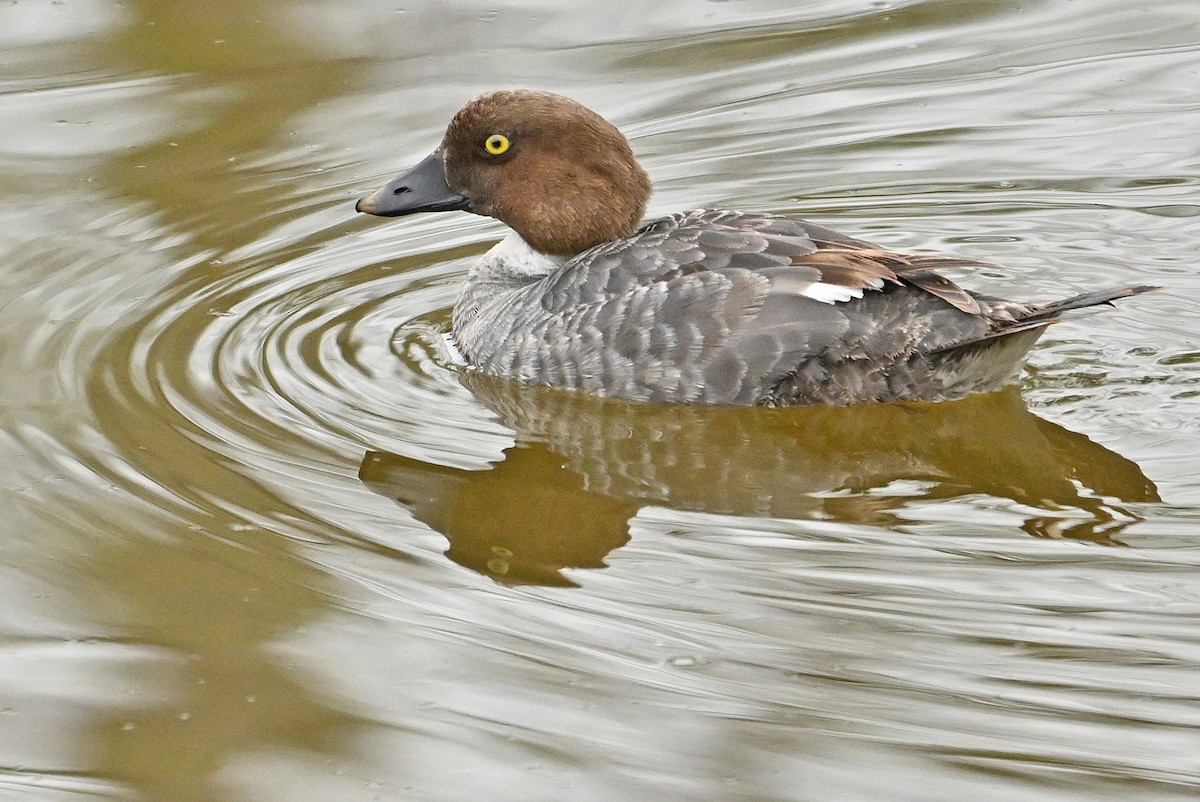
pixel 847 265
pixel 920 273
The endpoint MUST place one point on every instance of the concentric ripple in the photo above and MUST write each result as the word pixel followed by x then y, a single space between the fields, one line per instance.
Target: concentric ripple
pixel 284 370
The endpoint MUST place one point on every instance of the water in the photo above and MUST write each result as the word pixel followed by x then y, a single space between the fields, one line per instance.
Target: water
pixel 259 540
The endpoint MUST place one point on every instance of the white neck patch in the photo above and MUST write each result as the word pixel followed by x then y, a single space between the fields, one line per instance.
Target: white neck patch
pixel 513 256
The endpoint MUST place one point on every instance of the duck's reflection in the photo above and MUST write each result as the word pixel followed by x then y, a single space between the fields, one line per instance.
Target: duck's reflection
pixel 562 496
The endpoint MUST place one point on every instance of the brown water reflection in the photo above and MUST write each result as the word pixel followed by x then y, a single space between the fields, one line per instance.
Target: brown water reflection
pixel 209 609
pixel 247 75
pixel 563 496
pixel 205 597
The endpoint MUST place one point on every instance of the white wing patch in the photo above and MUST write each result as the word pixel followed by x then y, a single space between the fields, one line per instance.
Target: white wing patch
pixel 834 293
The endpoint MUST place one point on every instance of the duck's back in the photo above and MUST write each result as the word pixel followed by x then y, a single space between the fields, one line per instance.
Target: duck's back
pixel 735 308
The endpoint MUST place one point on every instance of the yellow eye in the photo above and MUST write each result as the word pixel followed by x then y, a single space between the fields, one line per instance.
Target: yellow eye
pixel 496 144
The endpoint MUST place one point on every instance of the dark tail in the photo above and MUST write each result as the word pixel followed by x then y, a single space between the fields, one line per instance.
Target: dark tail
pixel 1043 314
pixel 1052 309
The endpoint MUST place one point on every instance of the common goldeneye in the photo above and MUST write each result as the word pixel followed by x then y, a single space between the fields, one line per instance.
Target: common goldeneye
pixel 705 306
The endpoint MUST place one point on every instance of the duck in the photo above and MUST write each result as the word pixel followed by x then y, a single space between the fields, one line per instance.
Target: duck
pixel 708 306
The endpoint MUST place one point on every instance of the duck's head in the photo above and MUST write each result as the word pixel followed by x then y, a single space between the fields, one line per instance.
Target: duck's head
pixel 554 171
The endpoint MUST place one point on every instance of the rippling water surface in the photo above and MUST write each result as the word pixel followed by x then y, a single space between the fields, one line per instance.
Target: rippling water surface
pixel 260 540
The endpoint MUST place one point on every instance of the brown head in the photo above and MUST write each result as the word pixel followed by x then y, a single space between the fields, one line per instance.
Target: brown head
pixel 557 173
